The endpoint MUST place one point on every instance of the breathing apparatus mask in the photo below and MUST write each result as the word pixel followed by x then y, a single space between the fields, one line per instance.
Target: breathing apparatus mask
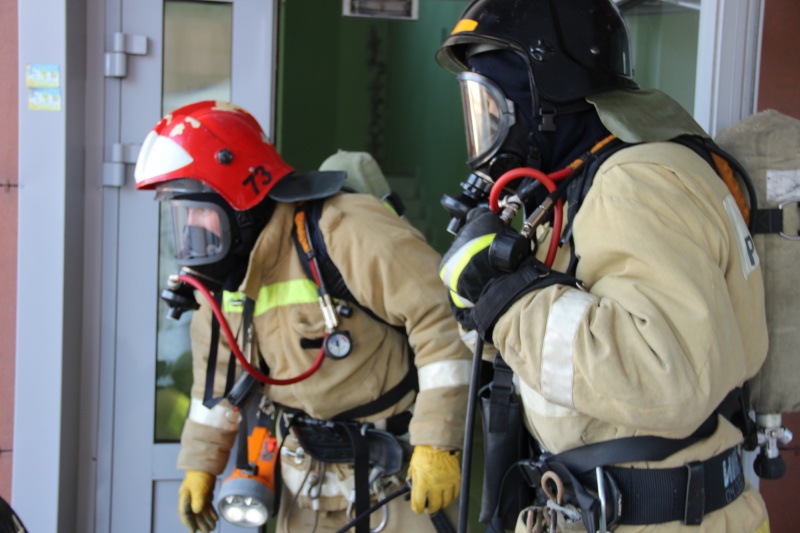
pixel 543 57
pixel 211 240
pixel 499 127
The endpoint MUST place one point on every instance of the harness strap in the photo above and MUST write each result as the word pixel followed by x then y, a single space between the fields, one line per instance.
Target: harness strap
pixel 500 397
pixel 649 448
pixel 385 400
pixel 209 400
pixel 768 221
pixel 361 474
pixel 242 459
pixel 315 260
pixel 685 493
pixel 727 167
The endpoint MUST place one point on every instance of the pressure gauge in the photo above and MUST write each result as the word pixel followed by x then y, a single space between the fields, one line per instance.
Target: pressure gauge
pixel 338 344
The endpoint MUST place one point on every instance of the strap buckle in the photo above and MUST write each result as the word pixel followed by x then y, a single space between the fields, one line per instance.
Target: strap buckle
pixel 601 495
pixel 695 494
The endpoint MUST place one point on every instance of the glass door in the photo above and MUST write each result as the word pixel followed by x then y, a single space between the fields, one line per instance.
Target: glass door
pixel 703 53
pixel 197 66
pixel 197 50
pixel 664 38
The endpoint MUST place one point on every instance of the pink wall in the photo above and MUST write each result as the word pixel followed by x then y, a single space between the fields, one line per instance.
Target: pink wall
pixel 780 69
pixel 8 234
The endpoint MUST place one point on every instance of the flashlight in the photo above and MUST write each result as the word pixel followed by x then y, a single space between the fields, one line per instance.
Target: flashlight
pixel 247 497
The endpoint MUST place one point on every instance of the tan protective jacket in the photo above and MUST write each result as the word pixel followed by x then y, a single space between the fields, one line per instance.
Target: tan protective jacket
pixel 672 321
pixel 390 270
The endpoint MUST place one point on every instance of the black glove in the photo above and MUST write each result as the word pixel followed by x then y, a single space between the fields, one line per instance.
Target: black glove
pixel 502 291
pixel 480 292
pixel 466 267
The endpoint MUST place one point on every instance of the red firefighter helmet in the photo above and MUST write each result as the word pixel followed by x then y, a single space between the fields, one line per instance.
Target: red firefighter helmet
pixel 223 146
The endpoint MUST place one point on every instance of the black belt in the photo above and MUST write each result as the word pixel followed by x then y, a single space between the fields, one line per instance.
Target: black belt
pixel 331 441
pixel 642 496
pixel 685 493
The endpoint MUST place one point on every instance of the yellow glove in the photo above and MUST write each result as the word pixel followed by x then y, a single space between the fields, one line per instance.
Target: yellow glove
pixel 435 477
pixel 194 501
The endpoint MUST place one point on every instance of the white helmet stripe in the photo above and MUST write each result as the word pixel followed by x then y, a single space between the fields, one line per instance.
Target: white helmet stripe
pixel 159 155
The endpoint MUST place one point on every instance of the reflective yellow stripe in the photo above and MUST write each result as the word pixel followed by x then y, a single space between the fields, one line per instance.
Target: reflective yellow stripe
pixel 388 205
pixel 459 302
pixel 763 528
pixel 454 266
pixel 298 291
pixel 464 25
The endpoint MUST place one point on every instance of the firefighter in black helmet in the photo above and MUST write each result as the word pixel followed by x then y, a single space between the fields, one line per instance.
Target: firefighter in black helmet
pixel 548 55
pixel 630 306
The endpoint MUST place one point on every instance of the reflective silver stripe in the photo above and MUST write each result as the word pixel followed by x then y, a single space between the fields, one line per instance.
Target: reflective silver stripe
pixel 536 403
pixel 444 374
pixel 220 416
pixel 747 248
pixel 559 337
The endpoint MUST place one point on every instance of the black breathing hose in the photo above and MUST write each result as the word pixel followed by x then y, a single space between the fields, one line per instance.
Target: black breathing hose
pixel 374 508
pixel 469 430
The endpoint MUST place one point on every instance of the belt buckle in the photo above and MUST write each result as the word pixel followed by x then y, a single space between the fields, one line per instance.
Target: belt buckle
pixel 695 494
pixel 601 494
pixel 610 500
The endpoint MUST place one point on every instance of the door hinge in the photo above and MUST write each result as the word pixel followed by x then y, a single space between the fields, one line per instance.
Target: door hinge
pixel 117 58
pixel 114 170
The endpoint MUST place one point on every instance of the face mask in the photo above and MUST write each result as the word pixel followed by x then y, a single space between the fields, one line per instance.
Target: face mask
pixel 488 116
pixel 497 140
pixel 201 232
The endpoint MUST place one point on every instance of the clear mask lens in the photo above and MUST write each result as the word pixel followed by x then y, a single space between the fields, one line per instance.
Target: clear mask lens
pixel 201 232
pixel 488 116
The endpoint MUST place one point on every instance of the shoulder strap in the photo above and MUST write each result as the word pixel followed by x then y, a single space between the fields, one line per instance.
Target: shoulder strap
pixel 236 391
pixel 726 166
pixel 311 244
pixel 579 185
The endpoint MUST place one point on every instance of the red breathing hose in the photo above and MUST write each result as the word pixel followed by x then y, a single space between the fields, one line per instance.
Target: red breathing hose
pixel 549 182
pixel 253 371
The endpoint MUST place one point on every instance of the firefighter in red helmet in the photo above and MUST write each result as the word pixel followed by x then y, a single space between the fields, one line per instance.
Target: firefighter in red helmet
pixel 398 378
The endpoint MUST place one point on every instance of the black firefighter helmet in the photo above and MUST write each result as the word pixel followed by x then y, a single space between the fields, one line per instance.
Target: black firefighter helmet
pixel 573 48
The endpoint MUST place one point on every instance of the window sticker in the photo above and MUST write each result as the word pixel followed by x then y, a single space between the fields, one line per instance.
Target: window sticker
pixel 44 87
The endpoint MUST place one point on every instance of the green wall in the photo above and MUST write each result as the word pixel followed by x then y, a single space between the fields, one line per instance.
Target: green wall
pixel 373 85
pixel 665 52
pixel 365 84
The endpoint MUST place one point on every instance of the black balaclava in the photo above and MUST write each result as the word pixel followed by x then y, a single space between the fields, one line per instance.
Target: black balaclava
pixel 577 129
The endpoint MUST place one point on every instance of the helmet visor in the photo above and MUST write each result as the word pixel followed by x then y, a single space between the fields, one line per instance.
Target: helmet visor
pixel 488 116
pixel 201 232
